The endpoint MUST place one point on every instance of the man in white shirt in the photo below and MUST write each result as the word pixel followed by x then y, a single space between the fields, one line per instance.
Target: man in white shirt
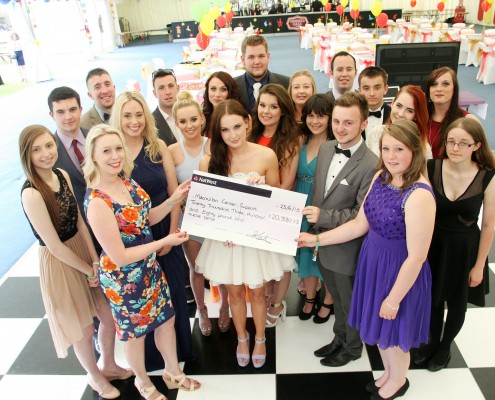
pixel 165 89
pixel 343 71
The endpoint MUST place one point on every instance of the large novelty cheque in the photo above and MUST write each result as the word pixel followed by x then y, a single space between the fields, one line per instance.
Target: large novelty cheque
pixel 259 216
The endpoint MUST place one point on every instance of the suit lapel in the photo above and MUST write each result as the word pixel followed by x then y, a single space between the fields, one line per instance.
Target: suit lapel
pixel 66 162
pixel 325 161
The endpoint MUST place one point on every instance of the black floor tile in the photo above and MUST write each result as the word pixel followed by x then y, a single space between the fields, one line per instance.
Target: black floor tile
pixel 216 353
pixel 331 386
pixel 485 378
pixel 20 297
pixel 39 358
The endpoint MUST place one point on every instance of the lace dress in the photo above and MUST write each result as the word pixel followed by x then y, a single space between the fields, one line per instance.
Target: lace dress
pixel 238 265
pixel 70 303
pixel 382 254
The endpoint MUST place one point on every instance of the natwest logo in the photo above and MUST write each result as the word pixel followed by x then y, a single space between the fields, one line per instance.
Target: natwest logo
pixel 293 23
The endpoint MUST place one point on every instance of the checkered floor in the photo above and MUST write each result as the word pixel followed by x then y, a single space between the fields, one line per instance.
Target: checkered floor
pixel 29 368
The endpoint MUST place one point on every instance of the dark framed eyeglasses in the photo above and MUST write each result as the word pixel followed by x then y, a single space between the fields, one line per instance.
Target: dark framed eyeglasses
pixel 162 72
pixel 462 145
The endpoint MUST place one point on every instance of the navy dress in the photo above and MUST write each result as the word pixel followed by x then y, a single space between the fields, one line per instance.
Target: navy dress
pixel 152 179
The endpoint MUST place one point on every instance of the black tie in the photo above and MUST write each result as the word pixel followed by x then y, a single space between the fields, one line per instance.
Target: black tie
pixel 106 117
pixel 377 113
pixel 346 152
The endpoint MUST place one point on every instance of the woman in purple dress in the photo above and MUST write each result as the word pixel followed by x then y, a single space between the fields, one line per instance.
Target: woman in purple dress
pixel 392 291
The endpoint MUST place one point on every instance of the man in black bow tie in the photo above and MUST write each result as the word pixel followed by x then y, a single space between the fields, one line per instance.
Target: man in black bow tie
pixel 102 91
pixel 373 85
pixel 343 174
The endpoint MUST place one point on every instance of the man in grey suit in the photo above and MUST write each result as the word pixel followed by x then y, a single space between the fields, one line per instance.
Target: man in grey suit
pixel 255 57
pixel 343 71
pixel 165 89
pixel 344 171
pixel 102 91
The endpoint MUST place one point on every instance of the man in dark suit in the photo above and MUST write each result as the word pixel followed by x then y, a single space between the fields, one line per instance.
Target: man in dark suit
pixel 373 85
pixel 102 91
pixel 343 175
pixel 255 57
pixel 165 89
pixel 343 71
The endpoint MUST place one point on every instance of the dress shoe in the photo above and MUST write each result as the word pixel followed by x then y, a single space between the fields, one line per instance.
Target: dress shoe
pixel 371 387
pixel 401 392
pixel 339 358
pixel 328 349
pixel 439 361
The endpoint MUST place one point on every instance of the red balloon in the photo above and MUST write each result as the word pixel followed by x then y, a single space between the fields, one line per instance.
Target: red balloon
pixel 440 6
pixel 221 21
pixel 229 15
pixel 354 14
pixel 328 7
pixel 485 6
pixel 202 40
pixel 382 20
pixel 413 3
pixel 340 9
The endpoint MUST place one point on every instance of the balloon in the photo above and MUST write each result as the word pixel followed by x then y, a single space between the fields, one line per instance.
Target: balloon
pixel 215 12
pixel 485 6
pixel 324 2
pixel 355 4
pixel 413 3
pixel 206 25
pixel 205 5
pixel 440 6
pixel 328 7
pixel 340 9
pixel 376 8
pixel 382 20
pixel 197 11
pixel 354 14
pixel 344 3
pixel 229 15
pixel 202 40
pixel 221 21
pixel 489 1
pixel 227 7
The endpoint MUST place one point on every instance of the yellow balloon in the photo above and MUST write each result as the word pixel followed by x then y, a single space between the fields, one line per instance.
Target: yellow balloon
pixel 444 1
pixel 207 25
pixel 355 4
pixel 344 3
pixel 227 7
pixel 215 12
pixel 376 8
pixel 489 1
pixel 324 2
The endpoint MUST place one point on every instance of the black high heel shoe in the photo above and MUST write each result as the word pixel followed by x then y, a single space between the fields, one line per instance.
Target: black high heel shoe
pixel 401 392
pixel 321 320
pixel 303 316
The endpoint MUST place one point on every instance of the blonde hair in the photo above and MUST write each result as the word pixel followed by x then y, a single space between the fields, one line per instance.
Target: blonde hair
pixel 185 99
pixel 90 169
pixel 297 74
pixel 150 133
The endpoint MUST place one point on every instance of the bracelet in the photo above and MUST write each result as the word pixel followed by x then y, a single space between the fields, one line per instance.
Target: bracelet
pixel 392 308
pixel 96 263
pixel 169 205
pixel 317 244
pixel 89 276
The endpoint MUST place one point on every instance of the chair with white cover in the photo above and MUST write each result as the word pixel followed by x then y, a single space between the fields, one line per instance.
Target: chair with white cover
pixel 473 50
pixel 158 63
pixel 489 33
pixel 486 73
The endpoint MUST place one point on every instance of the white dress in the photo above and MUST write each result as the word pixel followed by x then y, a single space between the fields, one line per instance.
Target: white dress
pixel 240 265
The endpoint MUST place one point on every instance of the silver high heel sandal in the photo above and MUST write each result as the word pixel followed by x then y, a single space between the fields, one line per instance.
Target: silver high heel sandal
pixel 281 315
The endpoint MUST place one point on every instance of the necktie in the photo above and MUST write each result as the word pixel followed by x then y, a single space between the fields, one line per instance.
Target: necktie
pixel 106 117
pixel 79 155
pixel 256 90
pixel 346 152
pixel 377 113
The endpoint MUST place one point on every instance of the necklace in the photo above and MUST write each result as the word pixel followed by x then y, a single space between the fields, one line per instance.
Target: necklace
pixel 121 190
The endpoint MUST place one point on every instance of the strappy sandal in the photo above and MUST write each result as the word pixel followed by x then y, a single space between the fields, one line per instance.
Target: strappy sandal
pixel 304 316
pixel 224 319
pixel 112 393
pixel 177 382
pixel 148 392
pixel 204 321
pixel 261 358
pixel 281 314
pixel 242 358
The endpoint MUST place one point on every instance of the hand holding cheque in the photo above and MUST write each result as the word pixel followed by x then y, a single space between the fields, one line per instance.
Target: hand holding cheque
pixel 259 216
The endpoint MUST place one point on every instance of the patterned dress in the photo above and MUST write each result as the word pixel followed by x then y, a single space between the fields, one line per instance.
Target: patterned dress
pixel 138 292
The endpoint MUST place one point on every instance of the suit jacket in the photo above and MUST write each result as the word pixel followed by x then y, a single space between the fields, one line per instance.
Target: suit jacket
pixel 90 118
pixel 386 112
pixel 341 203
pixel 272 78
pixel 164 131
pixel 76 177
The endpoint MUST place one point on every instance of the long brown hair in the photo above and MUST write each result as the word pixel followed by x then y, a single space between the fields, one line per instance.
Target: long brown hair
pixel 407 133
pixel 220 155
pixel 285 142
pixel 483 156
pixel 28 135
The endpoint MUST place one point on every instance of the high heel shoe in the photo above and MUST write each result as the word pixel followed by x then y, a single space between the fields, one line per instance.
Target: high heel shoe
pixel 121 377
pixel 401 392
pixel 259 357
pixel 321 320
pixel 224 319
pixel 281 314
pixel 177 382
pixel 243 358
pixel 304 316
pixel 148 392
pixel 112 393
pixel 204 321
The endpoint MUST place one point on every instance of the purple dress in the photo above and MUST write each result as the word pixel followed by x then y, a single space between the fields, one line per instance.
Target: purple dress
pixel 382 254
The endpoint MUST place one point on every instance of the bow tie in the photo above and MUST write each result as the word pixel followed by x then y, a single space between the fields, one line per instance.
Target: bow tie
pixel 377 113
pixel 106 116
pixel 346 152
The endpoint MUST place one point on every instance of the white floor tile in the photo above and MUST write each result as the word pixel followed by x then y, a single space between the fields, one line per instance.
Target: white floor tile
pixel 28 264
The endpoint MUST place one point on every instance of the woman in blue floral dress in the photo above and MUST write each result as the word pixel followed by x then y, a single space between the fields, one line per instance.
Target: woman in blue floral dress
pixel 119 213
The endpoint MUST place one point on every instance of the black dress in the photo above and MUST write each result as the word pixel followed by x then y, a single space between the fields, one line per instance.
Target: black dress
pixel 151 177
pixel 456 238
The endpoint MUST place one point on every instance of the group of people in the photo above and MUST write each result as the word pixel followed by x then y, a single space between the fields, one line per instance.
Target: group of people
pixel 421 169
